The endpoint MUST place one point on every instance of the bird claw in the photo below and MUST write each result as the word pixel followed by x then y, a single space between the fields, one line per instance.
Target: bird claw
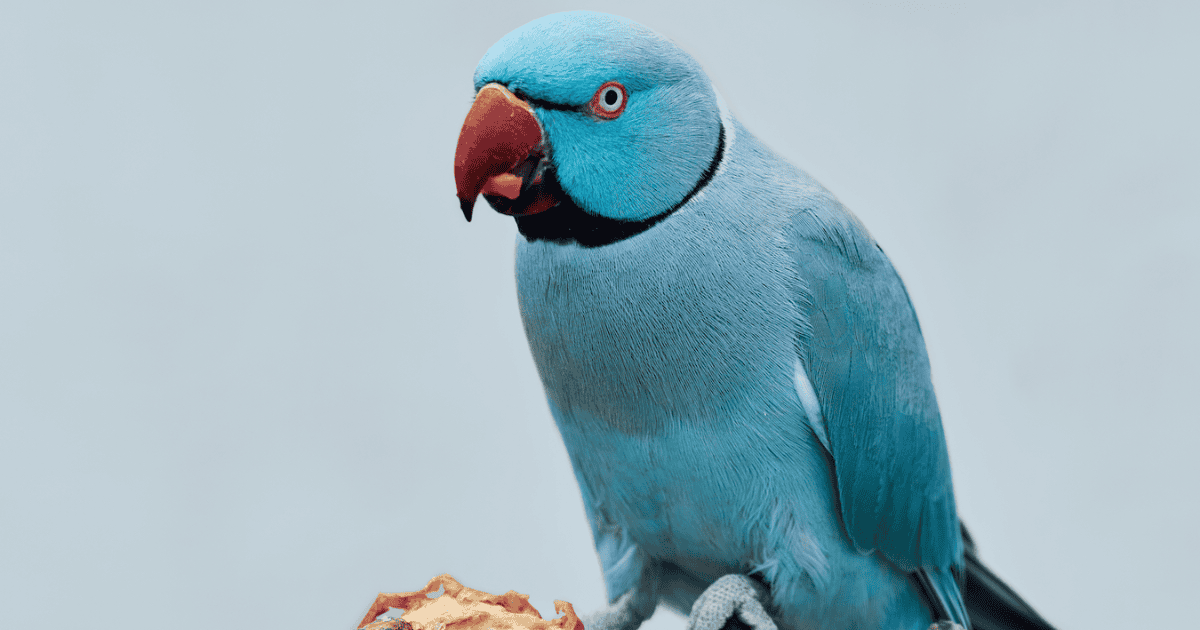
pixel 731 597
pixel 945 625
pixel 619 615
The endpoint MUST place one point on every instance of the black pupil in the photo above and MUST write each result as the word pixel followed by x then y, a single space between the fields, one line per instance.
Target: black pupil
pixel 610 97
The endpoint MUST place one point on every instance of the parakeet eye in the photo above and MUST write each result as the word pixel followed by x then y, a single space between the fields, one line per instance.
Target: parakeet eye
pixel 609 100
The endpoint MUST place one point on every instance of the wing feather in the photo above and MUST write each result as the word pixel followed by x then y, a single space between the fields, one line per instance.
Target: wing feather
pixel 866 359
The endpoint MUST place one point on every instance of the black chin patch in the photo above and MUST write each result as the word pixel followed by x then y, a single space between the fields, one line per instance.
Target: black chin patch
pixel 567 222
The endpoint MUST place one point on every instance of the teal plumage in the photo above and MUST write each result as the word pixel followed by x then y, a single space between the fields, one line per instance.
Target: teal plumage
pixel 733 363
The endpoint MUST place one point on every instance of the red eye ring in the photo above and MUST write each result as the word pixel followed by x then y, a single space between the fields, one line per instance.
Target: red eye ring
pixel 609 101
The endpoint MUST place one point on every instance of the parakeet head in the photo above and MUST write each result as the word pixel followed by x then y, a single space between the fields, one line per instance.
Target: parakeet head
pixel 587 127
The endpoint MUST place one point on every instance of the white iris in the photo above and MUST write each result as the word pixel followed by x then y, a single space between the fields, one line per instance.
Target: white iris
pixel 611 98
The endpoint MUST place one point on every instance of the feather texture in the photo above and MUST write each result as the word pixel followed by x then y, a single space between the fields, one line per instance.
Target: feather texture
pixel 735 367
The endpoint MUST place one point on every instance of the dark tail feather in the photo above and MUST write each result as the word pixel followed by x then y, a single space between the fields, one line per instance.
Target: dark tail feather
pixel 991 604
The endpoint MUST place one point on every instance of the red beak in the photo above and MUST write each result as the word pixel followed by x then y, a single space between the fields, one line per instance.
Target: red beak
pixel 499 133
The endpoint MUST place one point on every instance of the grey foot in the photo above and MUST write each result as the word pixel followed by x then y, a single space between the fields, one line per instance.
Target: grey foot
pixel 945 625
pixel 731 594
pixel 619 615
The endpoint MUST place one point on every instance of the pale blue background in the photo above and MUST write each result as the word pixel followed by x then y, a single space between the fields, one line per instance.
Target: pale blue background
pixel 254 367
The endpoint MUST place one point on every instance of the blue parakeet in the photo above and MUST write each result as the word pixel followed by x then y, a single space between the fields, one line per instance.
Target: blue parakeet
pixel 733 363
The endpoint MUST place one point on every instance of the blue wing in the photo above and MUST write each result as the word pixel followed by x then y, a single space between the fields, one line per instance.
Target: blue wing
pixel 863 352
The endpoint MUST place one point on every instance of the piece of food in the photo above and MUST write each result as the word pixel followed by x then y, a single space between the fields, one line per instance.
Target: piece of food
pixel 462 608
